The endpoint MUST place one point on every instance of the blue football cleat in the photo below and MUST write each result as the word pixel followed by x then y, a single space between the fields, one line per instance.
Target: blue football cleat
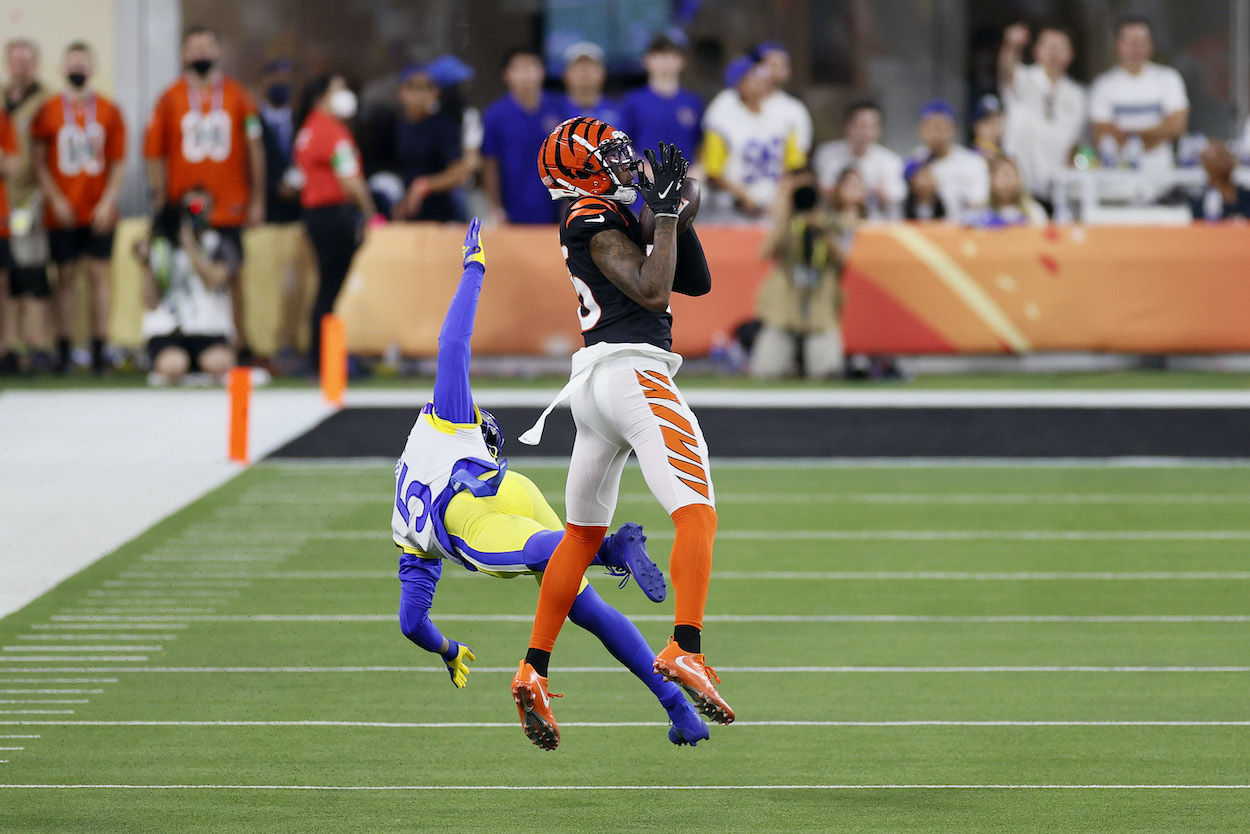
pixel 626 555
pixel 686 726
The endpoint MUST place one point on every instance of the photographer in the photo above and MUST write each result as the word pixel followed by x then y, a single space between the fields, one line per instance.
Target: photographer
pixel 187 270
pixel 800 303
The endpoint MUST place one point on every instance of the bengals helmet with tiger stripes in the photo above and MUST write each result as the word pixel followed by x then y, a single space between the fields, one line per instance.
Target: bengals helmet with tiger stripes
pixel 585 157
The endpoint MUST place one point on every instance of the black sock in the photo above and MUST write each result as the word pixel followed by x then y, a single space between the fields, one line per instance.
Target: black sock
pixel 688 637
pixel 97 354
pixel 65 354
pixel 539 660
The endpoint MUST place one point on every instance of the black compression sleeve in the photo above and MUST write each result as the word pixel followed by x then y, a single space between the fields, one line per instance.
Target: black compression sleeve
pixel 692 276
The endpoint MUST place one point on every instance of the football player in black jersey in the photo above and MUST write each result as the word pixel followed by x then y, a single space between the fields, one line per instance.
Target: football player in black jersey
pixel 623 396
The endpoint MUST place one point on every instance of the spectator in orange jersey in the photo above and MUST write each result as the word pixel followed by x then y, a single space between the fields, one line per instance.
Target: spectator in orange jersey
pixel 205 131
pixel 9 162
pixel 79 155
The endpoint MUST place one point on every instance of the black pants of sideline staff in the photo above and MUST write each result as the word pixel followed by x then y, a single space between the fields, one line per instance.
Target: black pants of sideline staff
pixel 334 233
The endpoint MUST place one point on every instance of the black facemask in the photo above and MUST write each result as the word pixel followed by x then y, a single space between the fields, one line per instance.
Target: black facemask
pixel 805 198
pixel 201 66
pixel 76 79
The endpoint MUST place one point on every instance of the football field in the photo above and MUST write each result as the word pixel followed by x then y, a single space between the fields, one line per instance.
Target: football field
pixel 908 648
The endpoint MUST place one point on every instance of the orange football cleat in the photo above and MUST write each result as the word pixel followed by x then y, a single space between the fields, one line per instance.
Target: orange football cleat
pixel 533 705
pixel 688 671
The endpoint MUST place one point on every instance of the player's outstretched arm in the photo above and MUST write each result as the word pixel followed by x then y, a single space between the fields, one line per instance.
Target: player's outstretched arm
pixel 453 398
pixel 418 578
pixel 692 276
pixel 648 280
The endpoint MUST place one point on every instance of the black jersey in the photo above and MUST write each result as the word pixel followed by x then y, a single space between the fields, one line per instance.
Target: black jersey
pixel 607 314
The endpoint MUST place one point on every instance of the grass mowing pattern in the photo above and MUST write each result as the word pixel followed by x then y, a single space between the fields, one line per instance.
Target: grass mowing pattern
pixel 910 650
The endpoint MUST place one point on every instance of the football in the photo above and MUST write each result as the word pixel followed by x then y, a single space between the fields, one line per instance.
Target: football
pixel 685 216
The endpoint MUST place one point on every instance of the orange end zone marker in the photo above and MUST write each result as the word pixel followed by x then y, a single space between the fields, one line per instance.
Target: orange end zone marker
pixel 239 387
pixel 333 359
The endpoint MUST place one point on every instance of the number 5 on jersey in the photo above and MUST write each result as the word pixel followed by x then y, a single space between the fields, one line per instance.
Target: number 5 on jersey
pixel 588 311
pixel 404 498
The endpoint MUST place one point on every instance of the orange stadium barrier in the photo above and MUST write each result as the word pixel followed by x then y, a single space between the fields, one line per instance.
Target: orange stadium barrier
pixel 909 289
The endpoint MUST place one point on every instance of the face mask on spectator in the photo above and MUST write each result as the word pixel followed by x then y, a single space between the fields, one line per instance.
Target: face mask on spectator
pixel 279 95
pixel 76 79
pixel 201 66
pixel 343 104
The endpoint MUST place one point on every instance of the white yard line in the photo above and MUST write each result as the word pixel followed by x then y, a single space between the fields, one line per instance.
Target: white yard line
pixel 976 576
pixel 107 626
pixel 75 659
pixel 893 535
pixel 4 680
pixel 722 618
pixel 971 576
pixel 51 691
pixel 42 648
pixel 611 670
pixel 511 725
pixel 35 712
pixel 584 787
pixel 11 701
pixel 109 636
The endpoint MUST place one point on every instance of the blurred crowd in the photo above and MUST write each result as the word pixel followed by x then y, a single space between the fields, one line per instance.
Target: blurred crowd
pixel 333 160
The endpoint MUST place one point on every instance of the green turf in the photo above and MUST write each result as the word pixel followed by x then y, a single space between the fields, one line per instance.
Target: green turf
pixel 932 628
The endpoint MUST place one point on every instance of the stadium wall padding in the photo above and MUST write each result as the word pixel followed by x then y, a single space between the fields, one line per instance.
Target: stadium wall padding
pixel 909 289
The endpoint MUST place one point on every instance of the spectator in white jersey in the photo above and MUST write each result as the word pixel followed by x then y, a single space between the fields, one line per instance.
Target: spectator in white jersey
pixel 795 113
pixel 880 168
pixel 1045 109
pixel 963 178
pixel 748 145
pixel 1138 108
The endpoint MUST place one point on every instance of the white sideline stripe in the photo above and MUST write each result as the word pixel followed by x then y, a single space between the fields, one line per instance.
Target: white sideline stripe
pixel 447 725
pixel 974 576
pixel 860 787
pixel 23 736
pixel 51 691
pixel 106 626
pixel 768 670
pixel 751 618
pixel 46 701
pixel 63 659
pixel 176 613
pixel 109 636
pixel 898 535
pixel 12 748
pixel 82 648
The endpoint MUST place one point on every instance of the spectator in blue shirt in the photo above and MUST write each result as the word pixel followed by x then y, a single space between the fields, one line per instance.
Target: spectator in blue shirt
pixel 428 150
pixel 514 128
pixel 663 110
pixel 584 77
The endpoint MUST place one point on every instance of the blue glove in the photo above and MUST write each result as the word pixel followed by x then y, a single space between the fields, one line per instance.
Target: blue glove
pixel 472 248
pixel 457 658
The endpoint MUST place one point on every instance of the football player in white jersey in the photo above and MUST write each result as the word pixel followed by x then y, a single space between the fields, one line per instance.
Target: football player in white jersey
pixel 623 397
pixel 456 498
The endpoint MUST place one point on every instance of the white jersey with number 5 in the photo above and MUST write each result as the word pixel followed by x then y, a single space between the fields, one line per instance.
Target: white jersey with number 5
pixel 423 480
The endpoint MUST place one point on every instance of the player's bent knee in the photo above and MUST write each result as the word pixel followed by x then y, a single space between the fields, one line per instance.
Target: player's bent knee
pixel 217 360
pixel 172 363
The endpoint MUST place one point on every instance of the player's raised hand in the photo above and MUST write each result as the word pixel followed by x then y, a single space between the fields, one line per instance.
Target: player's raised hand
pixel 472 248
pixel 458 666
pixel 662 191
